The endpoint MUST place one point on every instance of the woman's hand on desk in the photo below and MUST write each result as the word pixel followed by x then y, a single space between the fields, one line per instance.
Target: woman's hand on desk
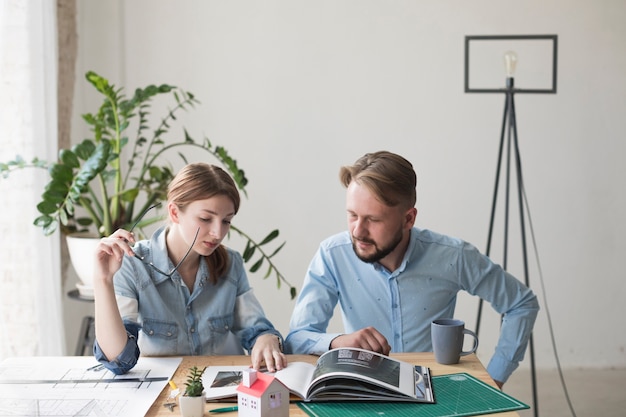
pixel 266 350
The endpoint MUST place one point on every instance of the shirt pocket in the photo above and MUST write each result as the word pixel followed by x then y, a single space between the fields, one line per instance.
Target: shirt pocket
pixel 167 331
pixel 220 325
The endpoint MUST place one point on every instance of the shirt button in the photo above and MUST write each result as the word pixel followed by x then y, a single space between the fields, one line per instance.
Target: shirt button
pixel 151 332
pixel 226 327
pixel 192 330
pixel 169 333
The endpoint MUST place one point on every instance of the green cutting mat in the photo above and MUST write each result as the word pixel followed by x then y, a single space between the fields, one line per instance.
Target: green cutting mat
pixel 456 395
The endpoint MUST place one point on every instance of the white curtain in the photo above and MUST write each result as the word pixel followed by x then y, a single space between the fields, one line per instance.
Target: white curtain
pixel 30 279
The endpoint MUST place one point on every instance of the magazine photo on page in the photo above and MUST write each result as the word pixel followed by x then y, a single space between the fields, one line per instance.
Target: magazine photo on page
pixel 221 382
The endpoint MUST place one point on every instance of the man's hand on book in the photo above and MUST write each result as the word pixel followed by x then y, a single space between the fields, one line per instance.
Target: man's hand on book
pixel 368 338
pixel 267 350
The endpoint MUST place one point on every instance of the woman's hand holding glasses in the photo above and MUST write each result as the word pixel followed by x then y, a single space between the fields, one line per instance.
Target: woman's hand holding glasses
pixel 110 253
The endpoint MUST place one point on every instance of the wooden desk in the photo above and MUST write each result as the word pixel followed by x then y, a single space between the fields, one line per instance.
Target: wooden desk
pixel 469 364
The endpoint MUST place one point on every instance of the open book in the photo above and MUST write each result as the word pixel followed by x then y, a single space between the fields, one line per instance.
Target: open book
pixel 342 374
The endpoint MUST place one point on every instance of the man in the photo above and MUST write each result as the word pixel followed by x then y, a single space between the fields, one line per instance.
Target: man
pixel 392 279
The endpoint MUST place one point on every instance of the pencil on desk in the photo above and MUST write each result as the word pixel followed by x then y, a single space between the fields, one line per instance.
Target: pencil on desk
pixel 96 367
pixel 224 409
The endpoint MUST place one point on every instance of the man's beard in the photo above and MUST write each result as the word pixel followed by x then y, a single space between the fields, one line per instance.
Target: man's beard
pixel 380 253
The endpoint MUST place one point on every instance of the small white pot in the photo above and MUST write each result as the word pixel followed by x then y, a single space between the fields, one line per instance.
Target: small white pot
pixel 192 406
pixel 82 247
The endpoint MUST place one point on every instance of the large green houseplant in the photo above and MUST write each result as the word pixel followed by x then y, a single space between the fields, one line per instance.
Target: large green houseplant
pixel 108 181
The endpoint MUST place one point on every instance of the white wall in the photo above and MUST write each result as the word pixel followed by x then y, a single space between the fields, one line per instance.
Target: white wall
pixel 295 89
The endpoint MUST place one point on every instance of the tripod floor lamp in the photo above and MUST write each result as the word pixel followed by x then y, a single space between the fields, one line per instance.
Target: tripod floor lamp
pixel 536 48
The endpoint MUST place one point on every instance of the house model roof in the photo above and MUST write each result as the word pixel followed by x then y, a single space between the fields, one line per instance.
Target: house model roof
pixel 261 384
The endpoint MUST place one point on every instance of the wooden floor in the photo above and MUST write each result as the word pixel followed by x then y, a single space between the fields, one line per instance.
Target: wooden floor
pixel 592 392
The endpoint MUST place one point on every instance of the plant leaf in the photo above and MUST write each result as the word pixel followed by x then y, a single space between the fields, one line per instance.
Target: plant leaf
pixel 257 265
pixel 273 234
pixel 69 158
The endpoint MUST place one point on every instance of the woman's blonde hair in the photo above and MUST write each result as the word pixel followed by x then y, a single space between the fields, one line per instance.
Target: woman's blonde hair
pixel 199 181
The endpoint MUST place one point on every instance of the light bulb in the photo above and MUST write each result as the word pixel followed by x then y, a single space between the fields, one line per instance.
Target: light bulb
pixel 510 62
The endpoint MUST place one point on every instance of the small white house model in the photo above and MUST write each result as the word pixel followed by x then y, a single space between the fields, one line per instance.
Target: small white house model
pixel 261 395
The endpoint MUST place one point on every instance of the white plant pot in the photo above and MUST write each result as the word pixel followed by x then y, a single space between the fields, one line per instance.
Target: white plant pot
pixel 82 247
pixel 192 406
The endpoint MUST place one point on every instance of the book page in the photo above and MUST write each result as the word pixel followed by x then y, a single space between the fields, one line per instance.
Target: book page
pixel 221 382
pixel 360 362
pixel 296 376
pixel 364 365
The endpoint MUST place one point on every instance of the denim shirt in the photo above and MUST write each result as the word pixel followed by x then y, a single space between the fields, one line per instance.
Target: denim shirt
pixel 163 318
pixel 401 304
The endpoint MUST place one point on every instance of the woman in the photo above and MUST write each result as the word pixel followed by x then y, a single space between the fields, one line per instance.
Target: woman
pixel 143 303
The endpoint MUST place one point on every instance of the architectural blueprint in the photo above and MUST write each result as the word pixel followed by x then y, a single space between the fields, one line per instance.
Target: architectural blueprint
pixel 76 386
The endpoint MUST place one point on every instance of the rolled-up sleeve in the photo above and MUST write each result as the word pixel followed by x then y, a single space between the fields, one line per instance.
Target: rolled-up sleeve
pixel 127 359
pixel 250 320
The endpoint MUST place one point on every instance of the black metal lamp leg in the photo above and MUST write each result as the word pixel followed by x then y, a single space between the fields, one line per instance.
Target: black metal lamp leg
pixel 509 130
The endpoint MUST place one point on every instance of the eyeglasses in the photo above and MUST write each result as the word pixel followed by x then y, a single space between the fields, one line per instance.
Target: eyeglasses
pixel 143 259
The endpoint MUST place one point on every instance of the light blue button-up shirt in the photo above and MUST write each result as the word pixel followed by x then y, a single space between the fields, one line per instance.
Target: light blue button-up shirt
pixel 401 304
pixel 163 318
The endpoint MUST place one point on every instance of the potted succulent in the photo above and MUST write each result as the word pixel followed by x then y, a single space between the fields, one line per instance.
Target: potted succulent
pixel 108 181
pixel 192 401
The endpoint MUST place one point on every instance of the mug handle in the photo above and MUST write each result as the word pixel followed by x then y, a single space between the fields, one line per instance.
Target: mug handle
pixel 473 349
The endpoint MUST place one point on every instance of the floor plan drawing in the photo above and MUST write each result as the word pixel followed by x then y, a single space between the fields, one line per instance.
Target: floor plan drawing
pixel 77 386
